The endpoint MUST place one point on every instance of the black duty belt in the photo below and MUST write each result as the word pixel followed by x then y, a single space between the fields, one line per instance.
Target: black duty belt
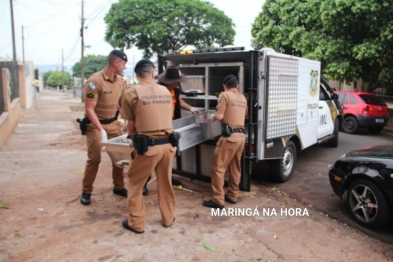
pixel 107 121
pixel 237 130
pixel 158 141
pixel 110 120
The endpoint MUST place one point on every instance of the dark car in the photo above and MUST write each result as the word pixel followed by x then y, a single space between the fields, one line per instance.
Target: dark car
pixel 366 175
pixel 363 109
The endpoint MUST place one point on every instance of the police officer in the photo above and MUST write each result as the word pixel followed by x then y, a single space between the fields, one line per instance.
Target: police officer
pixel 171 79
pixel 147 107
pixel 103 92
pixel 232 112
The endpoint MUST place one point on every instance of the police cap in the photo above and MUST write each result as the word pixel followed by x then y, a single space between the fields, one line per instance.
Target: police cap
pixel 142 63
pixel 229 78
pixel 119 54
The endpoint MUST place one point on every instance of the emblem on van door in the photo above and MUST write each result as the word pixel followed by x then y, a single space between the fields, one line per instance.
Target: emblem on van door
pixel 313 83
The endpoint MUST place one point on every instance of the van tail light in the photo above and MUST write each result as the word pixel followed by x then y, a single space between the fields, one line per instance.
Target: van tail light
pixel 365 110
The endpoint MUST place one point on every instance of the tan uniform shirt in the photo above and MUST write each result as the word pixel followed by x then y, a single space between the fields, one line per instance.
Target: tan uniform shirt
pixel 233 105
pixel 107 93
pixel 149 105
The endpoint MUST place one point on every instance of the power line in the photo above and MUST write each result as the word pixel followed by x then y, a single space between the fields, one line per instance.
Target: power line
pixel 73 48
pixel 55 3
pixel 99 12
pixel 19 3
pixel 7 45
pixel 51 16
pixel 1 16
pixel 95 10
pixel 47 33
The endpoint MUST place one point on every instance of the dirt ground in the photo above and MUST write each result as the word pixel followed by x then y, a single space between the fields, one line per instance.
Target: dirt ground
pixel 42 220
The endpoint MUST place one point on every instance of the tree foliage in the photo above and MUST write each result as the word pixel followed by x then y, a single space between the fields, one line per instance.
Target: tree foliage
pixel 352 38
pixel 46 76
pixel 157 26
pixel 56 78
pixel 93 63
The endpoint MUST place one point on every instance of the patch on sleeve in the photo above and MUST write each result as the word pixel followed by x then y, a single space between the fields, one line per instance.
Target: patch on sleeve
pixel 90 94
pixel 219 99
pixel 92 85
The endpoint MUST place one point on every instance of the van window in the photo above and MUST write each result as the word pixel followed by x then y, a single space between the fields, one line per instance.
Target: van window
pixel 372 100
pixel 352 98
pixel 342 98
pixel 323 95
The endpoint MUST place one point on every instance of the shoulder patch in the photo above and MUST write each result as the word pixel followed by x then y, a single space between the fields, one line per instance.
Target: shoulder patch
pixel 90 94
pixel 92 85
pixel 219 100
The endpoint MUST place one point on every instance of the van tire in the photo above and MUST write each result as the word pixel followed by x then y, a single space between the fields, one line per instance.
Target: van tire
pixel 333 142
pixel 281 170
pixel 350 125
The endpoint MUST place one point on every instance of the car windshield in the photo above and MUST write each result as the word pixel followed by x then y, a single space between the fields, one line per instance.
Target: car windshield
pixel 372 100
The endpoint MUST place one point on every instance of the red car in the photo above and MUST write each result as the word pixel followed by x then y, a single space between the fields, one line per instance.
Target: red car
pixel 363 110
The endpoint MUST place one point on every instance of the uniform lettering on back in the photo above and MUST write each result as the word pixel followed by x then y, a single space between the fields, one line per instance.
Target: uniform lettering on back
pixel 239 103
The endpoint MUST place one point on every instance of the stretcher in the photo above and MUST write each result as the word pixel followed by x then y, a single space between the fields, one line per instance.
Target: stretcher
pixel 193 129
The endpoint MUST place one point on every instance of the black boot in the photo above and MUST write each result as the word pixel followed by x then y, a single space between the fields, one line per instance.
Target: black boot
pixel 145 190
pixel 212 204
pixel 120 192
pixel 85 199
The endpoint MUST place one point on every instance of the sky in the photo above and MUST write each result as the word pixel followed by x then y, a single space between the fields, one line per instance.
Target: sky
pixel 51 28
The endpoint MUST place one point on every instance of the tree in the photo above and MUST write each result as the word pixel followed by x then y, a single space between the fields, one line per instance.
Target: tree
pixel 271 30
pixel 352 38
pixel 46 76
pixel 93 63
pixel 55 78
pixel 157 26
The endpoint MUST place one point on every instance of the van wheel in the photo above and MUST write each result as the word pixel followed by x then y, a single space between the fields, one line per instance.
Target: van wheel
pixel 333 142
pixel 281 170
pixel 350 125
pixel 375 130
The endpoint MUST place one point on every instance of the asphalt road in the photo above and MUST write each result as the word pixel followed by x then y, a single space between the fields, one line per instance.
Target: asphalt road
pixel 310 182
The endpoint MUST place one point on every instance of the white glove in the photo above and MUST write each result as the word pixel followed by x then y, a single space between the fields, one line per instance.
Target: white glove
pixel 104 136
pixel 130 143
pixel 194 110
pixel 123 124
pixel 212 117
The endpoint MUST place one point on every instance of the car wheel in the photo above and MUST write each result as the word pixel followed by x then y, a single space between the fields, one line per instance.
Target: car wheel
pixel 281 170
pixel 350 125
pixel 333 142
pixel 367 203
pixel 375 130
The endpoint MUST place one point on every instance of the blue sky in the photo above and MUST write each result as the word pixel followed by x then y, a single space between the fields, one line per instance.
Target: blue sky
pixel 51 26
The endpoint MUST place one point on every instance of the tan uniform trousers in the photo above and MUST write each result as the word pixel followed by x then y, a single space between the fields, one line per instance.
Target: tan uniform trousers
pixel 228 152
pixel 94 147
pixel 159 158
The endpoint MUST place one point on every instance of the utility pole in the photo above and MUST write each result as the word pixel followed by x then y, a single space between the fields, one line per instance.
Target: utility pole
pixel 13 32
pixel 62 69
pixel 82 58
pixel 23 45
